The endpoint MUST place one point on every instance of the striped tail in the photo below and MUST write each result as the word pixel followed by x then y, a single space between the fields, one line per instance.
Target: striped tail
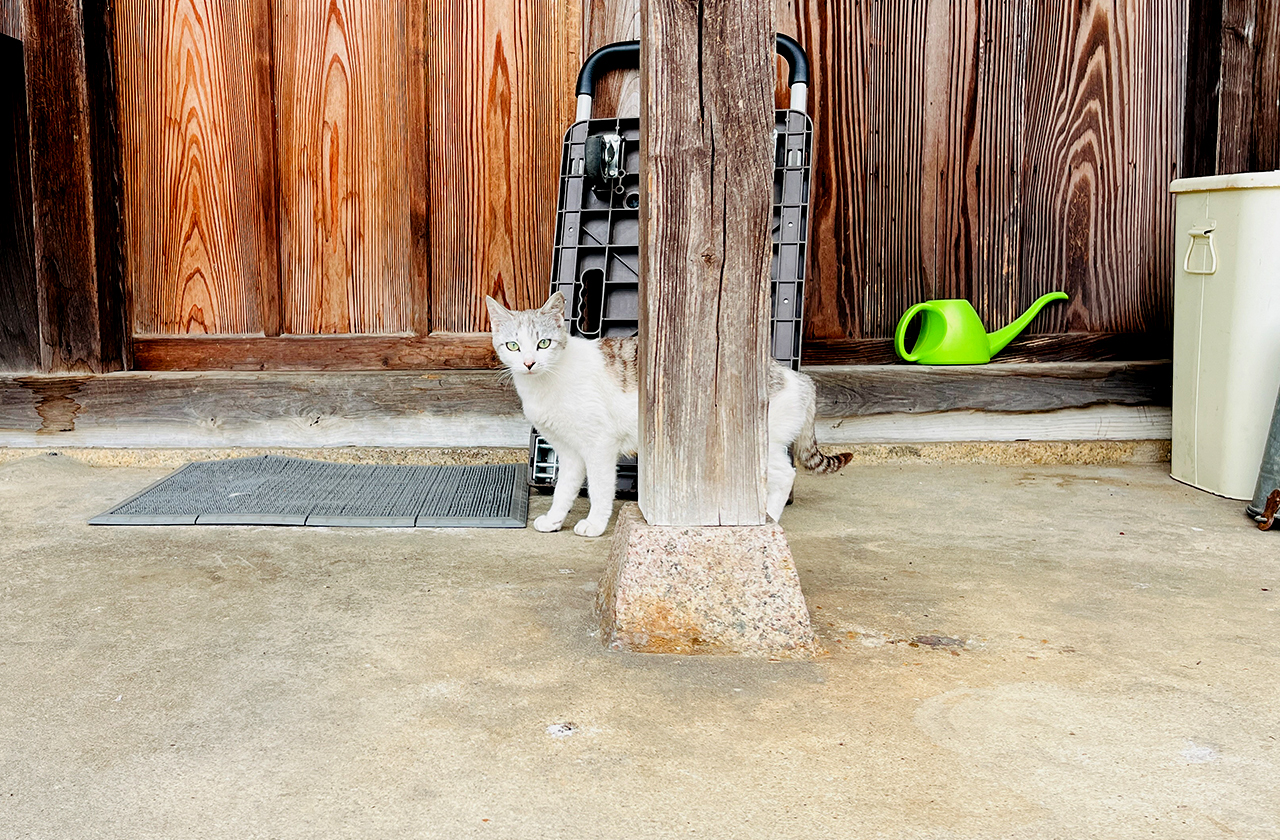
pixel 805 447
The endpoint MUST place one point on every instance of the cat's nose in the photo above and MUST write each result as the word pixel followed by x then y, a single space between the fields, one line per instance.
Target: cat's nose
pixel 529 365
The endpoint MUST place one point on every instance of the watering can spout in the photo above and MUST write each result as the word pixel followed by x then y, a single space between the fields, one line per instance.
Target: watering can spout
pixel 1000 338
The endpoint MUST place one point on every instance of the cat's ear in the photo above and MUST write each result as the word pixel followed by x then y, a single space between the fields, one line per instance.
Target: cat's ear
pixel 498 314
pixel 554 306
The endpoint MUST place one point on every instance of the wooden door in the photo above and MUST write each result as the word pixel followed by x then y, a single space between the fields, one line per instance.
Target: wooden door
pixel 334 184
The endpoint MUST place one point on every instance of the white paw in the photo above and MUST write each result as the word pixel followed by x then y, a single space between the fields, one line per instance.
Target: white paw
pixel 587 528
pixel 546 524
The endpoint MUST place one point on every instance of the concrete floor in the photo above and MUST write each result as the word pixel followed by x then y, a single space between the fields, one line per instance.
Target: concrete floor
pixel 1116 673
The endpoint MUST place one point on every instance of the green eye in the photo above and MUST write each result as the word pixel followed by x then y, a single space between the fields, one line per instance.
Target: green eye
pixel 512 346
pixel 544 344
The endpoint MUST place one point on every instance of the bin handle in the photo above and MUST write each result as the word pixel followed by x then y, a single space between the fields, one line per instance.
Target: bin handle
pixel 1204 231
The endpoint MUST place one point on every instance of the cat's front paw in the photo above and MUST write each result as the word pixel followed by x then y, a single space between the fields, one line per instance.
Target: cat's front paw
pixel 587 528
pixel 546 524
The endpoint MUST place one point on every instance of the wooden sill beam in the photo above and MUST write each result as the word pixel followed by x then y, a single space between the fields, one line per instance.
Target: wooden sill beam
pixel 478 408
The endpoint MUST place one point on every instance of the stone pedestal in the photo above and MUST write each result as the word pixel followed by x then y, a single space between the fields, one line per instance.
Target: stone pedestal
pixel 706 590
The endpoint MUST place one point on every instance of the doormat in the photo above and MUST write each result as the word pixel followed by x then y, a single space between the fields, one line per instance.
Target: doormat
pixel 278 490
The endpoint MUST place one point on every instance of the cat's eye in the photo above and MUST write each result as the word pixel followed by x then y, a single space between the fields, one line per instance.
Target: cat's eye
pixel 544 344
pixel 512 346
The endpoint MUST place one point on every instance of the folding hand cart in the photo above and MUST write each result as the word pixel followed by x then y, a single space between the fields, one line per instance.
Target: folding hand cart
pixel 596 259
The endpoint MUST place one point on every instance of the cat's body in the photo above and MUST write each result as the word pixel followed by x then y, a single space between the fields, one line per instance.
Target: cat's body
pixel 582 396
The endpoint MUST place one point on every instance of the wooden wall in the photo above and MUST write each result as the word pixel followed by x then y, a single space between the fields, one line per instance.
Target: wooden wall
pixel 993 150
pixel 354 167
pixel 1233 92
pixel 19 313
pixel 298 170
pixel 500 78
pixel 199 166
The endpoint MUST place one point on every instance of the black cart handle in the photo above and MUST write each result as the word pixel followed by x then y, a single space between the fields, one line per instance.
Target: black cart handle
pixel 625 55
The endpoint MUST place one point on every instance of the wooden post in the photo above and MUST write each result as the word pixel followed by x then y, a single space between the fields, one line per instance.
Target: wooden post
pixel 706 98
pixel 76 185
pixel 702 572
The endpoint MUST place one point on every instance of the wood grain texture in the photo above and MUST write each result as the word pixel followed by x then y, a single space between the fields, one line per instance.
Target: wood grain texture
pixel 457 408
pixel 342 72
pixel 199 166
pixel 19 313
pixel 80 325
pixel 439 351
pixel 837 38
pixel 110 249
pixel 704 259
pixel 1203 74
pixel 1248 125
pixel 605 22
pixel 11 18
pixel 1232 107
pixel 860 391
pixel 500 77
pixel 1054 428
pixel 1005 148
pixel 1266 93
pixel 1102 90
pixel 1236 85
pixel 218 409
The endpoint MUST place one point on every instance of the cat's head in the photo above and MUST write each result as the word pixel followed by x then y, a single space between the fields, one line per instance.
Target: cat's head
pixel 529 341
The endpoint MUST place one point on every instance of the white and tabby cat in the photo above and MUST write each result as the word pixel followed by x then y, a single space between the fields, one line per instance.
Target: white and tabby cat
pixel 582 396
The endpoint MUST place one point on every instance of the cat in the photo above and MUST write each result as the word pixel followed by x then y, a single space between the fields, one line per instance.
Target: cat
pixel 582 396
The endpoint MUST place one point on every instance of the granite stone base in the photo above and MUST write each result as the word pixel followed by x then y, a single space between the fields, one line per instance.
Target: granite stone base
pixel 703 590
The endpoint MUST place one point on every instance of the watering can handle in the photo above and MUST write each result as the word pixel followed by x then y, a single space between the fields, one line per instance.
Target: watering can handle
pixel 900 334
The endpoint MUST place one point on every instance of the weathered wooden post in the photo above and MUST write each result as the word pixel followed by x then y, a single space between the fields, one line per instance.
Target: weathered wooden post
pixel 701 570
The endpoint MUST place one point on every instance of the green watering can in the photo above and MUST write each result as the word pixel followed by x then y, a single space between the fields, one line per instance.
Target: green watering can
pixel 951 333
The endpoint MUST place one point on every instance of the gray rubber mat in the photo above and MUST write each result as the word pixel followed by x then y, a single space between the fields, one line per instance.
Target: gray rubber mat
pixel 276 490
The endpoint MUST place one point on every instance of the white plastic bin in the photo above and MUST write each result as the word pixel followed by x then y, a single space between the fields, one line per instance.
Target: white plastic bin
pixel 1226 328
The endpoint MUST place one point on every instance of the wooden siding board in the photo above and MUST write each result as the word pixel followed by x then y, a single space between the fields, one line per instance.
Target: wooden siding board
pixel 836 37
pixel 343 145
pixel 198 166
pixel 19 311
pixel 110 251
pixel 500 79
pixel 73 334
pixel 11 18
pixel 439 351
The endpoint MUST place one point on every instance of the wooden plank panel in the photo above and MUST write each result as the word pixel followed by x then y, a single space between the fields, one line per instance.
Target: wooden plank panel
pixel 500 77
pixel 19 314
pixel 604 22
pixel 343 123
pixel 836 37
pixel 439 351
pixel 1099 96
pixel 866 390
pixel 11 18
pixel 198 162
pixel 982 240
pixel 1266 95
pixel 1203 74
pixel 69 94
pixel 896 275
pixel 1236 86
